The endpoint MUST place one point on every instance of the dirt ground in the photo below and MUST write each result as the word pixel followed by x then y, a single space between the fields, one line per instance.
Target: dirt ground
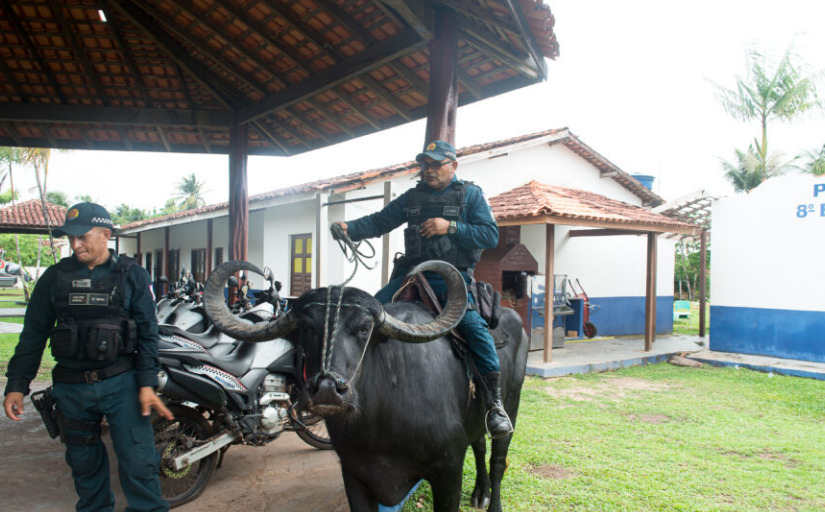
pixel 287 475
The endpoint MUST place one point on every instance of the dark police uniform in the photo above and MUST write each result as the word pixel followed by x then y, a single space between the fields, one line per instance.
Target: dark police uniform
pixel 105 345
pixel 474 229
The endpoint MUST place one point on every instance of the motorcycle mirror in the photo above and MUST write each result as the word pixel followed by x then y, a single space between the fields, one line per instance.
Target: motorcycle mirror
pixel 278 285
pixel 267 273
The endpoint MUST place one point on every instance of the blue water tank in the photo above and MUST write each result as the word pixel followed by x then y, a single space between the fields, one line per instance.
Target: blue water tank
pixel 645 179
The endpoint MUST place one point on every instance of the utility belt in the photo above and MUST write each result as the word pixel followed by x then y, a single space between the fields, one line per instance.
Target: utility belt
pixel 69 376
pixel 99 340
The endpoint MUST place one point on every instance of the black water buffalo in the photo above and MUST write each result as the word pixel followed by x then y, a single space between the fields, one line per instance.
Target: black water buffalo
pixel 398 410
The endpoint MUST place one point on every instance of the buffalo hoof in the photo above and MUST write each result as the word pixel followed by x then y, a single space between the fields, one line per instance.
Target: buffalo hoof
pixel 480 498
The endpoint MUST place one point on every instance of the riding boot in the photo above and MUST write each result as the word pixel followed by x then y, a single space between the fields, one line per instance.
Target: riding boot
pixel 498 423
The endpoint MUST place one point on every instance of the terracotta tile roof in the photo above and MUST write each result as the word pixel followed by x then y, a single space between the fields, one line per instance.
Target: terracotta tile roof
pixel 347 182
pixel 27 217
pixel 579 207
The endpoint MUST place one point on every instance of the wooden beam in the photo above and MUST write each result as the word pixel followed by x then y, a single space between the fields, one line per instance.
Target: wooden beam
pixel 484 41
pixel 118 116
pixel 703 269
pixel 596 223
pixel 604 232
pixel 527 37
pixel 442 103
pixel 549 283
pixel 238 204
pixel 650 293
pixel 362 63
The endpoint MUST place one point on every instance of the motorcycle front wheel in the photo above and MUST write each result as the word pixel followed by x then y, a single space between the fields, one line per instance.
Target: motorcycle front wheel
pixel 312 429
pixel 186 431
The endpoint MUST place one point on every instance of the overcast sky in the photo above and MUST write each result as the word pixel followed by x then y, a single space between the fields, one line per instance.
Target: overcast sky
pixel 633 81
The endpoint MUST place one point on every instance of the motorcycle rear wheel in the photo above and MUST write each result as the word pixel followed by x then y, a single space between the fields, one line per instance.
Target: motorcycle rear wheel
pixel 187 430
pixel 315 434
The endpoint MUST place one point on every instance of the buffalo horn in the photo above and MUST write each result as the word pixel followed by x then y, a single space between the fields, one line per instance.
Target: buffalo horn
pixel 229 324
pixel 449 318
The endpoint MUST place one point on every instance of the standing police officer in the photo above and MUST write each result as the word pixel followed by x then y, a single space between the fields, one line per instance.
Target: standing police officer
pixel 448 219
pixel 105 345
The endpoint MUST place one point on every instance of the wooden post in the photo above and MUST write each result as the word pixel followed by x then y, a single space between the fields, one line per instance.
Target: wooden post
pixel 139 256
pixel 208 248
pixel 166 259
pixel 549 283
pixel 703 263
pixel 385 240
pixel 443 100
pixel 650 293
pixel 238 207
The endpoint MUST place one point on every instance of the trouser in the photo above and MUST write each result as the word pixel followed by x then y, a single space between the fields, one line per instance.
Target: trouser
pixel 132 439
pixel 472 327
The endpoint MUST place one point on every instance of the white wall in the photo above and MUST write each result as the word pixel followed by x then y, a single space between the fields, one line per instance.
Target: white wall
pixel 606 266
pixel 550 164
pixel 769 246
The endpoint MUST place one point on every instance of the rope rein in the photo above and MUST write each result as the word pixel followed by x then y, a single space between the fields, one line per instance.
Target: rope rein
pixel 354 254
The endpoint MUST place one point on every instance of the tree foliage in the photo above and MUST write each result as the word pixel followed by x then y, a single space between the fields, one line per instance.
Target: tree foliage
pixel 28 249
pixel 189 191
pixel 750 170
pixel 814 162
pixel 771 90
pixel 124 214
pixel 687 270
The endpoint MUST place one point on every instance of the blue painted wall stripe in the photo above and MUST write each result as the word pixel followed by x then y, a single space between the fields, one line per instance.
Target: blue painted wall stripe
pixel 621 316
pixel 789 334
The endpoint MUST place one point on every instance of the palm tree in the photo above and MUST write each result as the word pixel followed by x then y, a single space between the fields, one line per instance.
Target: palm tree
pixel 766 94
pixel 189 192
pixel 751 170
pixel 39 158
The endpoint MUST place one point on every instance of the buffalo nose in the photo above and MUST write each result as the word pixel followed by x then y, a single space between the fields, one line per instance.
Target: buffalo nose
pixel 329 389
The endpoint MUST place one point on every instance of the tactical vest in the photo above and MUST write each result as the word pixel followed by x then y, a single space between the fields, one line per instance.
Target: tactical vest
pixel 423 205
pixel 92 321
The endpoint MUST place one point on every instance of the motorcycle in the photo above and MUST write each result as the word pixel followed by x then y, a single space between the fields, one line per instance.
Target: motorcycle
pixel 182 307
pixel 225 392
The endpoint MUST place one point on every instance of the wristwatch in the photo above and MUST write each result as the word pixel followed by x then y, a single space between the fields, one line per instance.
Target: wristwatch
pixel 453 228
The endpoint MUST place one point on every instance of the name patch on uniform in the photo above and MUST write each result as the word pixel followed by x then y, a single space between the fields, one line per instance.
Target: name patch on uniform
pixel 82 283
pixel 414 211
pixel 451 211
pixel 88 299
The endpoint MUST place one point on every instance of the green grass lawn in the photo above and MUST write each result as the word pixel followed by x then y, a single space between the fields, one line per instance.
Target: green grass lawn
pixel 664 438
pixel 691 325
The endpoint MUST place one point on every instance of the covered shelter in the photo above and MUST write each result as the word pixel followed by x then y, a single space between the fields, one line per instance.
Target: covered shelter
pixel 255 77
pixel 27 218
pixel 592 215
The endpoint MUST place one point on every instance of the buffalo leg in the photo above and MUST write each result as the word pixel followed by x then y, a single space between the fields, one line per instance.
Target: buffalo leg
pixel 447 489
pixel 481 492
pixel 359 496
pixel 498 463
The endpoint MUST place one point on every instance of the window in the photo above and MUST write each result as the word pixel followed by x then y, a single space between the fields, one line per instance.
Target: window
pixel 199 265
pixel 300 276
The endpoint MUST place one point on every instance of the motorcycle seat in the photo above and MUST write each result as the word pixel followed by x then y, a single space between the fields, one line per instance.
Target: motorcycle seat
pixel 207 339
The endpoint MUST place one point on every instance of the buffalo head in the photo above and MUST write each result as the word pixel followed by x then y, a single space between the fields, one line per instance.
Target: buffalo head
pixel 334 326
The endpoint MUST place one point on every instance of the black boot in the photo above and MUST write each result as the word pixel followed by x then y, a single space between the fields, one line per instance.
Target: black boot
pixel 498 424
